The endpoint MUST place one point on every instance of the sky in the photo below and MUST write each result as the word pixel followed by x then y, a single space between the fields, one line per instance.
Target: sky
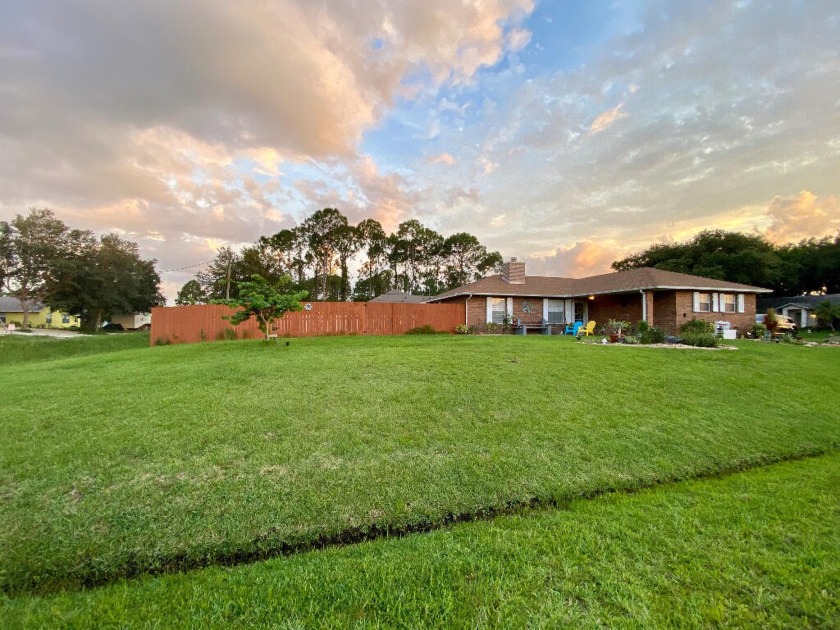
pixel 566 133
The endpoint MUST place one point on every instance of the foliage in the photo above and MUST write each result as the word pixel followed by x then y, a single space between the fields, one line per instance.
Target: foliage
pixel 31 245
pixel 811 266
pixel 264 301
pixel 463 329
pixel 491 327
pixel 771 320
pixel 616 327
pixel 828 314
pixel 428 329
pixel 189 455
pixel 191 293
pixel 700 339
pixel 318 254
pixel 758 331
pixel 699 326
pixel 650 334
pixel 97 279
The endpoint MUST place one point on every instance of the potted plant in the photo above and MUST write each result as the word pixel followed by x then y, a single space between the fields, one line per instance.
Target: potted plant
pixel 615 329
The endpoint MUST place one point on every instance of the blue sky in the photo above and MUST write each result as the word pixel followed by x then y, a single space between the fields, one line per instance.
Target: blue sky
pixel 565 133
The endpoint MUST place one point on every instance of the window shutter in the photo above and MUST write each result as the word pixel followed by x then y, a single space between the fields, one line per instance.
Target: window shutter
pixel 715 303
pixel 489 317
pixel 509 307
pixel 696 303
pixel 739 303
pixel 545 309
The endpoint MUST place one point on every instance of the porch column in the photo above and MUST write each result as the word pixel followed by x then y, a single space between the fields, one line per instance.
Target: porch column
pixel 647 306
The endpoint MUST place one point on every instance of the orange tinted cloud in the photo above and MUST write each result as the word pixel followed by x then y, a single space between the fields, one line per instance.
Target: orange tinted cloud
pixel 802 216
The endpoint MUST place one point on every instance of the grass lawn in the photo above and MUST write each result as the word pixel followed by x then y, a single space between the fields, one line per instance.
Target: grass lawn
pixel 159 459
pixel 759 549
pixel 20 348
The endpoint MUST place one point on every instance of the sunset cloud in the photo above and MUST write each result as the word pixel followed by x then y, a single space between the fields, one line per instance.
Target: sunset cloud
pixel 551 135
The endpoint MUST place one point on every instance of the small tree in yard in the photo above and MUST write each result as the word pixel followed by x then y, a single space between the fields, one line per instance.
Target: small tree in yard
pixel 264 301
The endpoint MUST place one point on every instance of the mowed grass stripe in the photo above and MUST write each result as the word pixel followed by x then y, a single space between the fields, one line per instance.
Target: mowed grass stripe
pixel 165 459
pixel 759 549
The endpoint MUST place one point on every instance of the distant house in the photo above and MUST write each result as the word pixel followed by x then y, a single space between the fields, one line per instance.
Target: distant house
pixel 399 297
pixel 799 308
pixel 664 299
pixel 40 316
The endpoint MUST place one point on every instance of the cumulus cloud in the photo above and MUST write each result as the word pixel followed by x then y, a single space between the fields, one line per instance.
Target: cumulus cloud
pixel 179 119
pixel 802 216
pixel 581 259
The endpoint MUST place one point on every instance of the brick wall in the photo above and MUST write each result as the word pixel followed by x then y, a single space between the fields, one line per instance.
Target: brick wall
pixel 626 307
pixel 683 303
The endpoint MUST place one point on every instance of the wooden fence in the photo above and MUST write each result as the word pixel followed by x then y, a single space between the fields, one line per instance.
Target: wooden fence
pixel 191 324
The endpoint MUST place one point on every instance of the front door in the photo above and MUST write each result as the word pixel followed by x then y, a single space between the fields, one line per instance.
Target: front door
pixel 580 311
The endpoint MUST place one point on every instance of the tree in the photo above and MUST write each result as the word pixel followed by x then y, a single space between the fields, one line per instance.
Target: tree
pixel 322 230
pixel 218 280
pixel 31 245
pixel 373 239
pixel 96 279
pixel 827 314
pixel 191 293
pixel 714 254
pixel 467 260
pixel 265 301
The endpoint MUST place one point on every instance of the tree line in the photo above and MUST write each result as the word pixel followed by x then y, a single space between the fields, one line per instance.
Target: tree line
pixel 43 261
pixel 811 266
pixel 317 255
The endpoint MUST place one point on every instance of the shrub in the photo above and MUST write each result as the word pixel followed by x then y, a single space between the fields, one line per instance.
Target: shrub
pixel 463 329
pixel 650 334
pixel 700 339
pixel 492 327
pixel 642 326
pixel 227 334
pixel 428 329
pixel 757 331
pixel 700 326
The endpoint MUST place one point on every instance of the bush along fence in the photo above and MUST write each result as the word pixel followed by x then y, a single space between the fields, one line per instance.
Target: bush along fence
pixel 203 322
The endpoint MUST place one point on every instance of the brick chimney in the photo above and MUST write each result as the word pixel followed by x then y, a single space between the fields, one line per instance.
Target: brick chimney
pixel 513 272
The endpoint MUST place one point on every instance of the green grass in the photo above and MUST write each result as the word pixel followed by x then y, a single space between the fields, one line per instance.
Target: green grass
pixel 170 458
pixel 17 349
pixel 759 549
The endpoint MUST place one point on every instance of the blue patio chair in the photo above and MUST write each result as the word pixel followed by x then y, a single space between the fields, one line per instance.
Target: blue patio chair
pixel 572 329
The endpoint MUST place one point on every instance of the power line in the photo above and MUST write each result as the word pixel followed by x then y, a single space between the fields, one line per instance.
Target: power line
pixel 187 267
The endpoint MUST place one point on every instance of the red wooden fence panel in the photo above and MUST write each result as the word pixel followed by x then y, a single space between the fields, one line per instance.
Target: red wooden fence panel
pixel 203 322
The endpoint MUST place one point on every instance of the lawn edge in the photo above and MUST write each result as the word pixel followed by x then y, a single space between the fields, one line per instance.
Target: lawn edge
pixel 263 548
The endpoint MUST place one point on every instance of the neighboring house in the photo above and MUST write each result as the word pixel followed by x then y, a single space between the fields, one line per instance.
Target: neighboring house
pixel 133 321
pixel 664 299
pixel 40 316
pixel 799 308
pixel 399 297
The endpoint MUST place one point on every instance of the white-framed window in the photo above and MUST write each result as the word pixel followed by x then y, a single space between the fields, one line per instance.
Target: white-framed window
pixel 65 319
pixel 49 317
pixel 702 302
pixel 728 303
pixel 498 307
pixel 556 312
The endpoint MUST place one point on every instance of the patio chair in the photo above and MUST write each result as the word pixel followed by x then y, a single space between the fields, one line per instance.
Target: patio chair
pixel 587 330
pixel 572 329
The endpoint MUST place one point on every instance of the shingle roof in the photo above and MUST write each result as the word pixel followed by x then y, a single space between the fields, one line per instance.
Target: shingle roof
pixel 9 304
pixel 399 297
pixel 618 282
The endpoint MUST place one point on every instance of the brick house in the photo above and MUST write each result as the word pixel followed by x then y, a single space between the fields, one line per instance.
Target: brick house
pixel 664 299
